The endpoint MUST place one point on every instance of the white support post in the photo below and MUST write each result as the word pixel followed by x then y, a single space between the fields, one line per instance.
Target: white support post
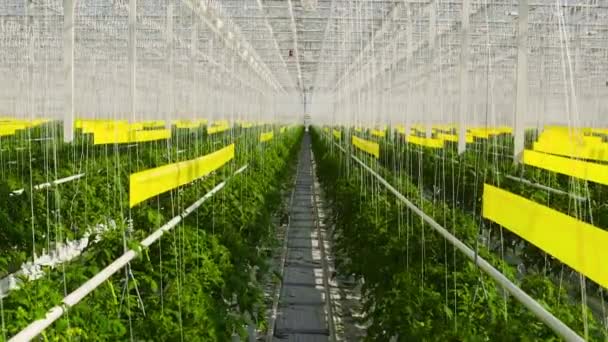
pixel 544 86
pixel 193 58
pixel 431 79
pixel 232 103
pixel 521 111
pixel 170 112
pixel 410 53
pixel 132 58
pixel 68 70
pixel 464 76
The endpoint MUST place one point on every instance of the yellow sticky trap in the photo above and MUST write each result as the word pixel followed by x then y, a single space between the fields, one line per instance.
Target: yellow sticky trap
pixel 11 126
pixel 337 134
pixel 479 133
pixel 366 146
pixel 153 124
pixel 454 138
pixel 485 133
pixel 152 182
pixel 110 134
pixel 137 126
pixel 187 125
pixel 266 136
pixel 443 128
pixel 571 143
pixel 378 133
pixel 597 173
pixel 218 128
pixel 574 242
pixel 426 142
pixel 10 129
pixel 151 135
pixel 602 131
pixel 419 128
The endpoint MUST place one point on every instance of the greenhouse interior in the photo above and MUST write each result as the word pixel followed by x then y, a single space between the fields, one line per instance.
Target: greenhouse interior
pixel 304 170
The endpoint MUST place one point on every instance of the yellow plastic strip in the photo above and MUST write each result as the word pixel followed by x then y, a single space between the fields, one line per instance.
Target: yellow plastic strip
pixel 187 125
pixel 591 148
pixel 454 138
pixel 151 135
pixel 10 129
pixel 479 133
pixel 487 132
pixel 266 136
pixel 337 134
pixel 426 142
pixel 218 128
pixel 378 133
pixel 123 133
pixel 190 124
pixel 366 146
pixel 110 134
pixel 152 182
pixel 574 242
pixel 137 126
pixel 602 131
pixel 444 128
pixel 400 129
pixel 153 124
pixel 597 173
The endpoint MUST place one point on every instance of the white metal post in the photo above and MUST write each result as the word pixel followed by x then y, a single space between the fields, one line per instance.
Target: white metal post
pixel 431 79
pixel 68 70
pixel 193 58
pixel 544 86
pixel 170 112
pixel 132 57
pixel 409 63
pixel 522 81
pixel 464 76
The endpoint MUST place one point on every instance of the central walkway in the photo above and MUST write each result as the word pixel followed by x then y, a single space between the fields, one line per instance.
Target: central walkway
pixel 304 314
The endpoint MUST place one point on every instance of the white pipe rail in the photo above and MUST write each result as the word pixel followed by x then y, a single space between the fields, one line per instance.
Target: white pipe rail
pixel 538 310
pixel 49 184
pixel 36 327
pixel 64 252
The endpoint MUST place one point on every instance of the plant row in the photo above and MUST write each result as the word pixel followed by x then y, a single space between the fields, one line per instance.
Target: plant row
pixel 199 282
pixel 416 285
pixel 458 180
pixel 36 221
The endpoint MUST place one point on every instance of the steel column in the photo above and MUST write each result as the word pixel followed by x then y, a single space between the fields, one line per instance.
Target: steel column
pixel 464 76
pixel 68 70
pixel 132 58
pixel 430 101
pixel 171 111
pixel 521 111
